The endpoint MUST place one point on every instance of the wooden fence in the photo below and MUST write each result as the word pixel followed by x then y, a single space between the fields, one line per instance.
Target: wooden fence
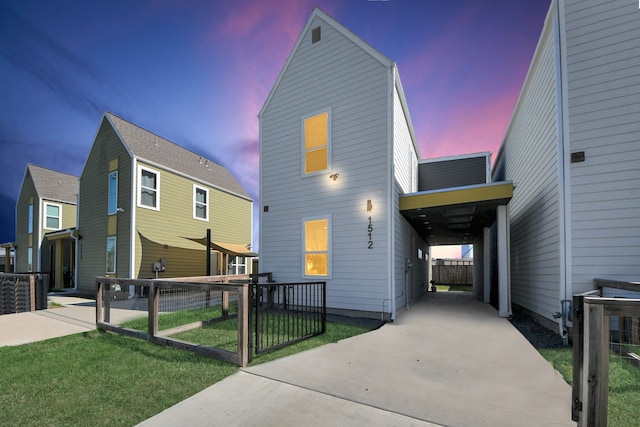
pixel 452 271
pixel 109 289
pixel 592 342
pixel 23 292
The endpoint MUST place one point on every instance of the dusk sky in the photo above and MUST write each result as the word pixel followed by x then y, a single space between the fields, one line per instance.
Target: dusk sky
pixel 198 72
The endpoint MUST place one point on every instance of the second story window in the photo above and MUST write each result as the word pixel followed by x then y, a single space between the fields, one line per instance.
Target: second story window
pixel 52 216
pixel 200 203
pixel 30 225
pixel 113 193
pixel 148 188
pixel 316 143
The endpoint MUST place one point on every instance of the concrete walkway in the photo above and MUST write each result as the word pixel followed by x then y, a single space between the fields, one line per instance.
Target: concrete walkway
pixel 75 315
pixel 449 360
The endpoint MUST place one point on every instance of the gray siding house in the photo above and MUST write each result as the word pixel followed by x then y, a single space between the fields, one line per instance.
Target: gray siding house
pixel 337 148
pixel 573 150
pixel 342 192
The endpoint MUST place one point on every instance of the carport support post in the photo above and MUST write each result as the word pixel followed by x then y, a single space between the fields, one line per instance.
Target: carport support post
pixel 504 281
pixel 486 243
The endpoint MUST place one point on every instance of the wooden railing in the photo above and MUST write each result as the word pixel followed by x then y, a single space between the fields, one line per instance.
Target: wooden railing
pixel 591 346
pixel 105 294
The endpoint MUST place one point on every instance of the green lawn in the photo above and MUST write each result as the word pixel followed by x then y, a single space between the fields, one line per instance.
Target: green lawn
pixel 624 384
pixel 103 379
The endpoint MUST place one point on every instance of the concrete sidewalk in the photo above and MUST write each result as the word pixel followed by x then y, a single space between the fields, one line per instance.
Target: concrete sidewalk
pixel 75 315
pixel 449 360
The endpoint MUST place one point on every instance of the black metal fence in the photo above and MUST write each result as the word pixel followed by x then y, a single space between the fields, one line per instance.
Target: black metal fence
pixel 23 292
pixel 285 313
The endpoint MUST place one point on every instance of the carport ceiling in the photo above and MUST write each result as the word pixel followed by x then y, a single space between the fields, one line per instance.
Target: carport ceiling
pixel 455 216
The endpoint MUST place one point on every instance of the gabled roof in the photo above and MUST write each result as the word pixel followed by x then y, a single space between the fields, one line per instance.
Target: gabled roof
pixel 53 185
pixel 317 13
pixel 151 148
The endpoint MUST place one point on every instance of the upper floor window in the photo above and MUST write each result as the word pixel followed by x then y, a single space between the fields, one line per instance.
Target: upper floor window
pixel 316 247
pixel 200 203
pixel 112 199
pixel 148 188
pixel 52 216
pixel 30 219
pixel 316 143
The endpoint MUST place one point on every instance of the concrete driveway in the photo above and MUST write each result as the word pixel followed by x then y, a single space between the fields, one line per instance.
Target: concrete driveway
pixel 448 360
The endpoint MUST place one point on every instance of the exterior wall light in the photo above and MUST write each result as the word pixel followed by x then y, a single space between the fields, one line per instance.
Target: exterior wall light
pixel 369 205
pixel 334 176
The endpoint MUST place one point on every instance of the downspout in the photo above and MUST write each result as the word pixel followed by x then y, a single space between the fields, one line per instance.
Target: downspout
pixel 564 178
pixel 132 226
pixel 76 239
pixel 391 248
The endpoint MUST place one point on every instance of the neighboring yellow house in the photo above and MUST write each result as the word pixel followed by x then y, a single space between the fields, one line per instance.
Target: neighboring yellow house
pixel 45 220
pixel 146 204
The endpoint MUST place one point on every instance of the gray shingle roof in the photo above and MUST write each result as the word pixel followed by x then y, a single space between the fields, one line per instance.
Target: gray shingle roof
pixel 149 147
pixel 53 185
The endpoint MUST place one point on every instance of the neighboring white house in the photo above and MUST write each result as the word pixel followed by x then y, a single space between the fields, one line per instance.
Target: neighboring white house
pixel 573 149
pixel 339 178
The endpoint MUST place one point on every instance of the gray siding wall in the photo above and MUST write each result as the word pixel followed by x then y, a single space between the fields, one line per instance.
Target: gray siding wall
pixel 603 66
pixel 452 173
pixel 92 205
pixel 530 155
pixel 333 73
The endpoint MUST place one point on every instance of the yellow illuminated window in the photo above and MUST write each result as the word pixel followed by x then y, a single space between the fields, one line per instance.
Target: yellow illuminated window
pixel 316 247
pixel 316 143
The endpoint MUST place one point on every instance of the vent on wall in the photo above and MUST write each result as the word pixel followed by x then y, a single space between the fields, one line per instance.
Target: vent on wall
pixel 315 35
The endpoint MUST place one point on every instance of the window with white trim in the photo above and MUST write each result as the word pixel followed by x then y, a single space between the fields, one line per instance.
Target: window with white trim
pixel 148 188
pixel 237 265
pixel 316 142
pixel 200 203
pixel 112 198
pixel 317 260
pixel 111 254
pixel 52 216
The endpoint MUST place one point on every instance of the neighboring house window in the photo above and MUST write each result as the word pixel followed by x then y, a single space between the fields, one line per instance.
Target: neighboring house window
pixel 148 188
pixel 30 218
pixel 316 143
pixel 112 199
pixel 316 247
pixel 111 254
pixel 52 214
pixel 200 203
pixel 29 259
pixel 237 265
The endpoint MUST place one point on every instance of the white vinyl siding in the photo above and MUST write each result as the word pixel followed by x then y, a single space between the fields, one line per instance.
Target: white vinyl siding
pixel 405 158
pixel 603 66
pixel 340 74
pixel 531 150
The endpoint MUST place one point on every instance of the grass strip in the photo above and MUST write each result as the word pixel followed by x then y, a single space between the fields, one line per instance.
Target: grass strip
pixel 103 379
pixel 624 384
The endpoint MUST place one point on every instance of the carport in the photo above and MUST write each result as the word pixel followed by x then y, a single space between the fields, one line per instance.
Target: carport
pixel 467 215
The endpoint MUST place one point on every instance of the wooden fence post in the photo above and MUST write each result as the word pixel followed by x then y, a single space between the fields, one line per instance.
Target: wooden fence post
pixel 153 306
pixel 243 325
pixel 595 375
pixel 32 292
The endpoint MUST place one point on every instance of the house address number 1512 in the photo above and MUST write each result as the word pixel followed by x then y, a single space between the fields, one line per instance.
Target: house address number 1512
pixel 369 232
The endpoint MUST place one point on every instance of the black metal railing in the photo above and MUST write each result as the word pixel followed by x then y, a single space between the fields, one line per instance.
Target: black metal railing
pixel 285 313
